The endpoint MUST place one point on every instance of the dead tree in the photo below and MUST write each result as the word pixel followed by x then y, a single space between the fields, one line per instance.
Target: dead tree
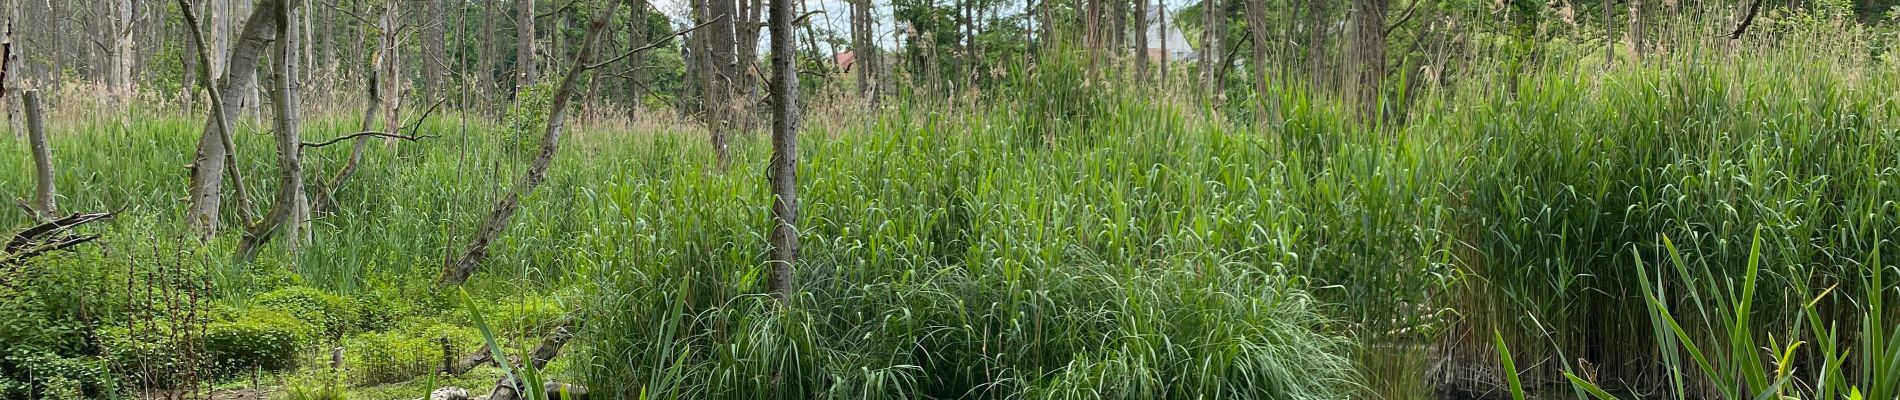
pixel 290 216
pixel 783 171
pixel 213 154
pixel 44 207
pixel 524 44
pixel 504 210
pixel 509 389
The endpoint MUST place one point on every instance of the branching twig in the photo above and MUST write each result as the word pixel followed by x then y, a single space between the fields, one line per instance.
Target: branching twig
pixel 655 43
pixel 362 134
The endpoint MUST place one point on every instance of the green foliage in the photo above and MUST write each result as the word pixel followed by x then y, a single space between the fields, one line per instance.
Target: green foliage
pixel 317 385
pixel 413 351
pixel 331 314
pixel 262 340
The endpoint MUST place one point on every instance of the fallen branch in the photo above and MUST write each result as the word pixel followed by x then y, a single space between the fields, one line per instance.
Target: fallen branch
pixel 550 347
pixel 47 237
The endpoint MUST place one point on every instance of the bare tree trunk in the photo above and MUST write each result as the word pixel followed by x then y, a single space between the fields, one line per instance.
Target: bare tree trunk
pixel 10 67
pixel 720 96
pixel 505 209
pixel 290 216
pixel 1638 28
pixel 44 205
pixel 1609 33
pixel 861 46
pixel 636 34
pixel 1257 29
pixel 526 74
pixel 211 160
pixel 392 73
pixel 746 74
pixel 1369 49
pixel 435 52
pixel 119 54
pixel 784 164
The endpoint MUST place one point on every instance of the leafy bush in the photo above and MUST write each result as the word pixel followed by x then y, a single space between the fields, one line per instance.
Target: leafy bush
pixel 263 339
pixel 398 355
pixel 333 315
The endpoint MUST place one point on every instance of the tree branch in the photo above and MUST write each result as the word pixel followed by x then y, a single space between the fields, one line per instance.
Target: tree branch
pixel 656 43
pixel 1746 21
pixel 362 134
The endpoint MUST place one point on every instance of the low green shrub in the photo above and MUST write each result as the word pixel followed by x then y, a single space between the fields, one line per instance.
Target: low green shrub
pixel 265 340
pixel 402 354
pixel 333 315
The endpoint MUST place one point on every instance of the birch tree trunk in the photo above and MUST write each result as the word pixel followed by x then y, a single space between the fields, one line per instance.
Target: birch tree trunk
pixel 10 67
pixel 44 206
pixel 783 170
pixel 119 54
pixel 1141 40
pixel 208 166
pixel 290 216
pixel 392 73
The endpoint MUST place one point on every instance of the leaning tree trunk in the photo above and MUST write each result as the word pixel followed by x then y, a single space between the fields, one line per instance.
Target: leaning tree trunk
pixel 44 206
pixel 504 210
pixel 784 164
pixel 208 166
pixel 290 217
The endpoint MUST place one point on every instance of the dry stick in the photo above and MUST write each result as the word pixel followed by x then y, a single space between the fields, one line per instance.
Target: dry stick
pixel 44 207
pixel 217 105
pixel 505 209
pixel 653 44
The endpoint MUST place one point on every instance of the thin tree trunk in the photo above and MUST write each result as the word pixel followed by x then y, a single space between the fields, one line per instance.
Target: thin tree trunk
pixel 784 163
pixel 504 210
pixel 392 73
pixel 1213 21
pixel 526 73
pixel 720 96
pixel 1267 103
pixel 636 34
pixel 1609 33
pixel 211 160
pixel 290 216
pixel 11 68
pixel 1638 28
pixel 326 194
pixel 44 205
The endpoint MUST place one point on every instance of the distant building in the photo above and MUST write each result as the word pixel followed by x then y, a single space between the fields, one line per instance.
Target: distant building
pixel 845 59
pixel 1177 47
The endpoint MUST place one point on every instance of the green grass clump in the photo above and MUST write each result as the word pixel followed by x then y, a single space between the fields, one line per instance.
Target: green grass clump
pixel 330 314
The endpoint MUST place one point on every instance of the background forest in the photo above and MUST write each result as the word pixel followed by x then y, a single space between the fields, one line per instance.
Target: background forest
pixel 949 199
